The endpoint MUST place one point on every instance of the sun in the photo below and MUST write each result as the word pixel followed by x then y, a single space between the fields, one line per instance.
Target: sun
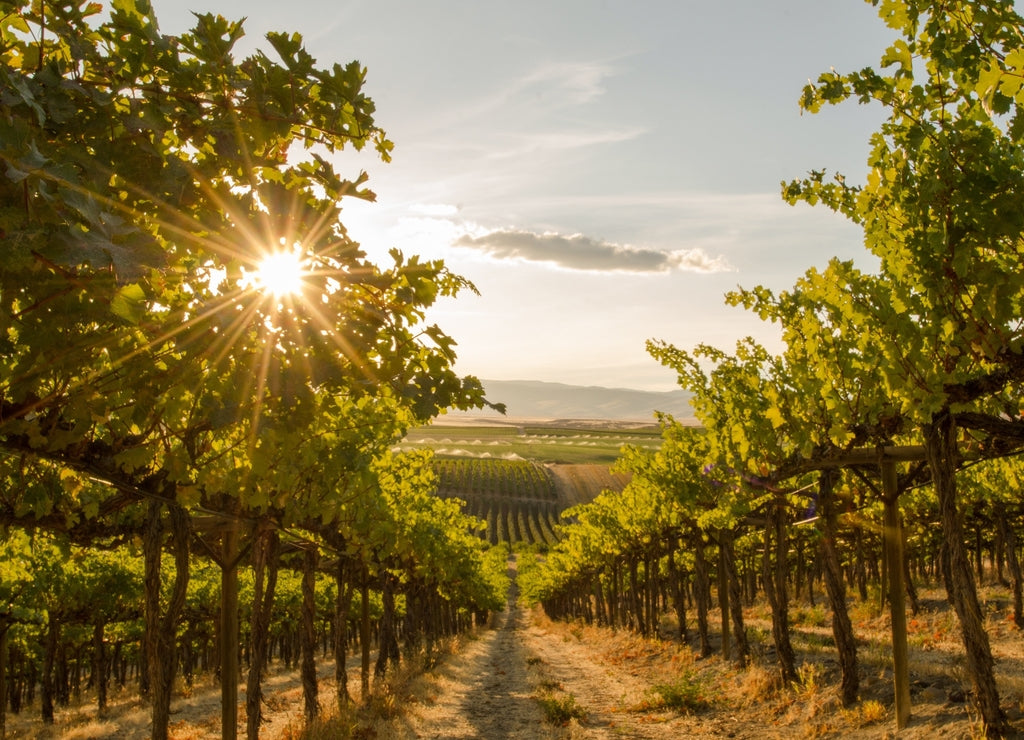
pixel 280 274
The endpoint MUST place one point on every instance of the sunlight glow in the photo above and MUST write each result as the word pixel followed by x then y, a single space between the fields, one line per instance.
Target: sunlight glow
pixel 280 274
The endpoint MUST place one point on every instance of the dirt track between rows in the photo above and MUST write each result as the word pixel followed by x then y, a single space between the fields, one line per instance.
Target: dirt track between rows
pixel 489 689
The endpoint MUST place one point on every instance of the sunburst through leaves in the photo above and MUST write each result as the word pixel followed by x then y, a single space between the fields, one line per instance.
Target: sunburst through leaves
pixel 281 274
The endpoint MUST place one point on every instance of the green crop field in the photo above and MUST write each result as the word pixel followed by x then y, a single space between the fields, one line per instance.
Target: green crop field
pixel 518 499
pixel 518 479
pixel 543 443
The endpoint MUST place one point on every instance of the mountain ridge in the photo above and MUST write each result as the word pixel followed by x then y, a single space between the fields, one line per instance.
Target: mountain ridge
pixel 537 399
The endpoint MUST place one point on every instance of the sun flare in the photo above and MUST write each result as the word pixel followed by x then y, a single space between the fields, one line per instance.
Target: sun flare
pixel 280 274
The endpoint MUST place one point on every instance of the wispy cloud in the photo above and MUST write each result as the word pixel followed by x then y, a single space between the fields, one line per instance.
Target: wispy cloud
pixel 551 85
pixel 546 108
pixel 518 145
pixel 573 83
pixel 579 252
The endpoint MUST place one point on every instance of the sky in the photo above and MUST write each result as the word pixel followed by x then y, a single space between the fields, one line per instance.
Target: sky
pixel 603 171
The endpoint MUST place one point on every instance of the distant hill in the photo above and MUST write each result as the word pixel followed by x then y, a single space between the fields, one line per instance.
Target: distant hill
pixel 532 399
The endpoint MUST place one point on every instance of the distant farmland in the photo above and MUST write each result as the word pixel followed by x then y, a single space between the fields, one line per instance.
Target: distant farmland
pixel 519 479
pixel 555 443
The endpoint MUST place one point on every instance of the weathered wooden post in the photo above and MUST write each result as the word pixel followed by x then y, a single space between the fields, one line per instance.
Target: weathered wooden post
pixel 892 543
pixel 229 633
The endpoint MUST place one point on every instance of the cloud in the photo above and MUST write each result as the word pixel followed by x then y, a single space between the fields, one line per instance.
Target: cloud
pixel 517 145
pixel 579 252
pixel 572 83
pixel 548 107
pixel 558 85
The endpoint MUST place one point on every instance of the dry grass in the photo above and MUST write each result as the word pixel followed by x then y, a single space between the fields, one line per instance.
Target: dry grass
pixel 940 692
pixel 196 710
pixel 389 699
pixel 90 729
pixel 559 706
pixel 758 684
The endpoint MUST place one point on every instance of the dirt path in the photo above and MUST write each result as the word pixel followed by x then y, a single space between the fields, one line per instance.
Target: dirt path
pixel 612 696
pixel 485 691
pixel 490 689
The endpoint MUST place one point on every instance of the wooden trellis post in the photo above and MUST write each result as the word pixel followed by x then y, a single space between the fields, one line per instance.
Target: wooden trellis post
pixel 892 541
